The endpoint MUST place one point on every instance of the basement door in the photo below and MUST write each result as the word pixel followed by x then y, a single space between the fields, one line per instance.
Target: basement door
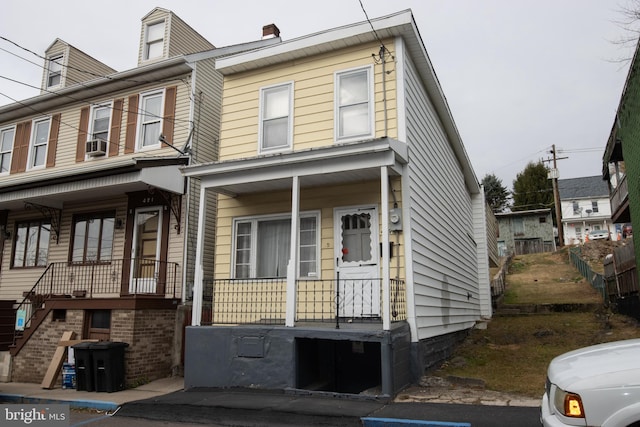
pixel 358 270
pixel 146 250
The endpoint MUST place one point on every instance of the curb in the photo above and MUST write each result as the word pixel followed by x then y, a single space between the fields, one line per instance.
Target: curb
pixel 99 405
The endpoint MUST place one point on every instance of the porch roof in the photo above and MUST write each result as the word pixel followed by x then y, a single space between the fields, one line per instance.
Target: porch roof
pixel 340 163
pixel 132 175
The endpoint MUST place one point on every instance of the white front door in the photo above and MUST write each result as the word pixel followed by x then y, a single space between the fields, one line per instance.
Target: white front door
pixel 358 271
pixel 146 250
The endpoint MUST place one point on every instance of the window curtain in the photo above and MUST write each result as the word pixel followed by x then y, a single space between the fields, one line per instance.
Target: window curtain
pixel 274 242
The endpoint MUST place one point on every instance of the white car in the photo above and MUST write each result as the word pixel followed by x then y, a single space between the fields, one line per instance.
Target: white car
pixel 597 386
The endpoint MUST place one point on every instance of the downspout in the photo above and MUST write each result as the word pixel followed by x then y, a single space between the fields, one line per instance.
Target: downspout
pixel 384 88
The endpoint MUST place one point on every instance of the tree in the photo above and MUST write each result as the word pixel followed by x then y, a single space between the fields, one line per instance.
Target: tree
pixel 495 194
pixel 532 189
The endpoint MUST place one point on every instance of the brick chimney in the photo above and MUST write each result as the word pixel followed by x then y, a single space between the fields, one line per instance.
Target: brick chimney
pixel 270 31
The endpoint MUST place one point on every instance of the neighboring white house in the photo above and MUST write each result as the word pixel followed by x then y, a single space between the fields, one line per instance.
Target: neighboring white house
pixel 585 208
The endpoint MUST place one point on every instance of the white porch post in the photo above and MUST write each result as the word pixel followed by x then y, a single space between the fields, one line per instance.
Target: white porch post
pixel 386 259
pixel 292 267
pixel 196 309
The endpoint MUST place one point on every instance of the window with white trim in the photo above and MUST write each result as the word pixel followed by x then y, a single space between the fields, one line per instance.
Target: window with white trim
pixel 39 142
pixel 594 206
pixel 262 246
pixel 354 104
pixel 154 41
pixel 100 120
pixel 275 117
pixel 54 71
pixel 6 147
pixel 150 120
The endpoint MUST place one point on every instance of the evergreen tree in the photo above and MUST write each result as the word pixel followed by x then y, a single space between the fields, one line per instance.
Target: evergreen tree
pixel 532 189
pixel 495 194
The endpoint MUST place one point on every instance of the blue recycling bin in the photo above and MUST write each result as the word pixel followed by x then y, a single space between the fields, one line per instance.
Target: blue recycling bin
pixel 84 366
pixel 108 365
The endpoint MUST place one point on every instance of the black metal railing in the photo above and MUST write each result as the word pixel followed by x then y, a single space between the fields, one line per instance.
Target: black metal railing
pixel 98 280
pixel 263 301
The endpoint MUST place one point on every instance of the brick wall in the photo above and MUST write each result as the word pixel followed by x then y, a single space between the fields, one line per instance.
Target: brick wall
pixel 31 364
pixel 149 333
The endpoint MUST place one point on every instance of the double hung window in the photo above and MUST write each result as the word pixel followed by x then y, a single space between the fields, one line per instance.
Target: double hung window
pixel 154 41
pixel 100 117
pixel 275 118
pixel 354 104
pixel 93 238
pixel 39 142
pixel 6 147
pixel 150 120
pixel 31 244
pixel 262 246
pixel 54 72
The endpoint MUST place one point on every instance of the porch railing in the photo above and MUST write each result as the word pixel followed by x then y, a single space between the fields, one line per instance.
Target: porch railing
pixel 263 301
pixel 98 280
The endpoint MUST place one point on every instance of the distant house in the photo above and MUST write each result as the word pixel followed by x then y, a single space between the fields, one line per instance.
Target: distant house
pixel 524 232
pixel 585 207
pixel 337 267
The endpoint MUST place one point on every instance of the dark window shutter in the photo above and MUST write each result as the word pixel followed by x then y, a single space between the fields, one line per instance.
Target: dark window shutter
pixel 132 123
pixel 116 124
pixel 83 129
pixel 169 120
pixel 53 140
pixel 21 147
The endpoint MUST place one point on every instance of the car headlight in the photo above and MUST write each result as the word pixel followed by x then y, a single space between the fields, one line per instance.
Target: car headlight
pixel 568 404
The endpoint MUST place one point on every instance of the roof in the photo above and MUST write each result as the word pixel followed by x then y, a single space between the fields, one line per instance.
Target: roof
pixel 583 188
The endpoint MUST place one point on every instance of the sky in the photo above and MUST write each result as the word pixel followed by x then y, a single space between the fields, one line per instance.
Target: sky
pixel 519 76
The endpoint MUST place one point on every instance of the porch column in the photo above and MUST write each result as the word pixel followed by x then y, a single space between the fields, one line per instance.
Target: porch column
pixel 196 308
pixel 386 259
pixel 292 267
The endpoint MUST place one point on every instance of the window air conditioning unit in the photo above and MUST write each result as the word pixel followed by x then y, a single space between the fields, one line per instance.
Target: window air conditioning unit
pixel 96 147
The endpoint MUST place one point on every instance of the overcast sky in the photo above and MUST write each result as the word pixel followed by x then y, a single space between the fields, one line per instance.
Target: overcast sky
pixel 519 76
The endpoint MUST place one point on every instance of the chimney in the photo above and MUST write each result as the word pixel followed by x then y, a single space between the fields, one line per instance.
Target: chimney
pixel 270 31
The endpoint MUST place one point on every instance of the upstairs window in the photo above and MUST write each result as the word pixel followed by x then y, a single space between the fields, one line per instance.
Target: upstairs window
pixel 150 120
pixel 594 207
pixel 100 117
pixel 39 142
pixel 576 208
pixel 54 71
pixel 93 238
pixel 518 227
pixel 275 118
pixel 154 41
pixel 354 107
pixel 31 244
pixel 6 147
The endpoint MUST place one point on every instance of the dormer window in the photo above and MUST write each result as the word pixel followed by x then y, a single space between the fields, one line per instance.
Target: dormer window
pixel 154 41
pixel 54 72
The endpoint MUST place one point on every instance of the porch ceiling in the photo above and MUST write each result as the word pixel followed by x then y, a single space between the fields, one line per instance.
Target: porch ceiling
pixel 87 188
pixel 353 162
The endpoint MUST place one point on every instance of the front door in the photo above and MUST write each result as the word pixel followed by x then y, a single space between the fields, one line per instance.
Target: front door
pixel 146 250
pixel 358 271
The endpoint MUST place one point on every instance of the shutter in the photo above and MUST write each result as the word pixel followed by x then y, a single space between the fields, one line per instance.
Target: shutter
pixel 53 140
pixel 116 124
pixel 132 123
pixel 83 129
pixel 21 147
pixel 169 120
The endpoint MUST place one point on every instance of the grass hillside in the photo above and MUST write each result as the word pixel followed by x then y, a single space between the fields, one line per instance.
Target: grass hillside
pixel 513 353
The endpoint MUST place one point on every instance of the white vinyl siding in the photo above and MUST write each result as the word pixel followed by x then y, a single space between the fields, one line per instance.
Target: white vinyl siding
pixel 443 251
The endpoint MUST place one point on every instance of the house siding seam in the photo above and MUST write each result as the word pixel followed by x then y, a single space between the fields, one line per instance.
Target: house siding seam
pixel 445 264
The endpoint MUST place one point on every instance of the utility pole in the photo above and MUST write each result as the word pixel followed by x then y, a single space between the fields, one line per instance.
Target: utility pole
pixel 554 175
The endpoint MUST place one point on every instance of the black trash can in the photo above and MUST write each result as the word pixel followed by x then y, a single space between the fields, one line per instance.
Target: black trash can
pixel 84 366
pixel 108 365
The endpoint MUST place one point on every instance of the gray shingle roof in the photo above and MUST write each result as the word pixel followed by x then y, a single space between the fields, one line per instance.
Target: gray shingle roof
pixel 581 188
